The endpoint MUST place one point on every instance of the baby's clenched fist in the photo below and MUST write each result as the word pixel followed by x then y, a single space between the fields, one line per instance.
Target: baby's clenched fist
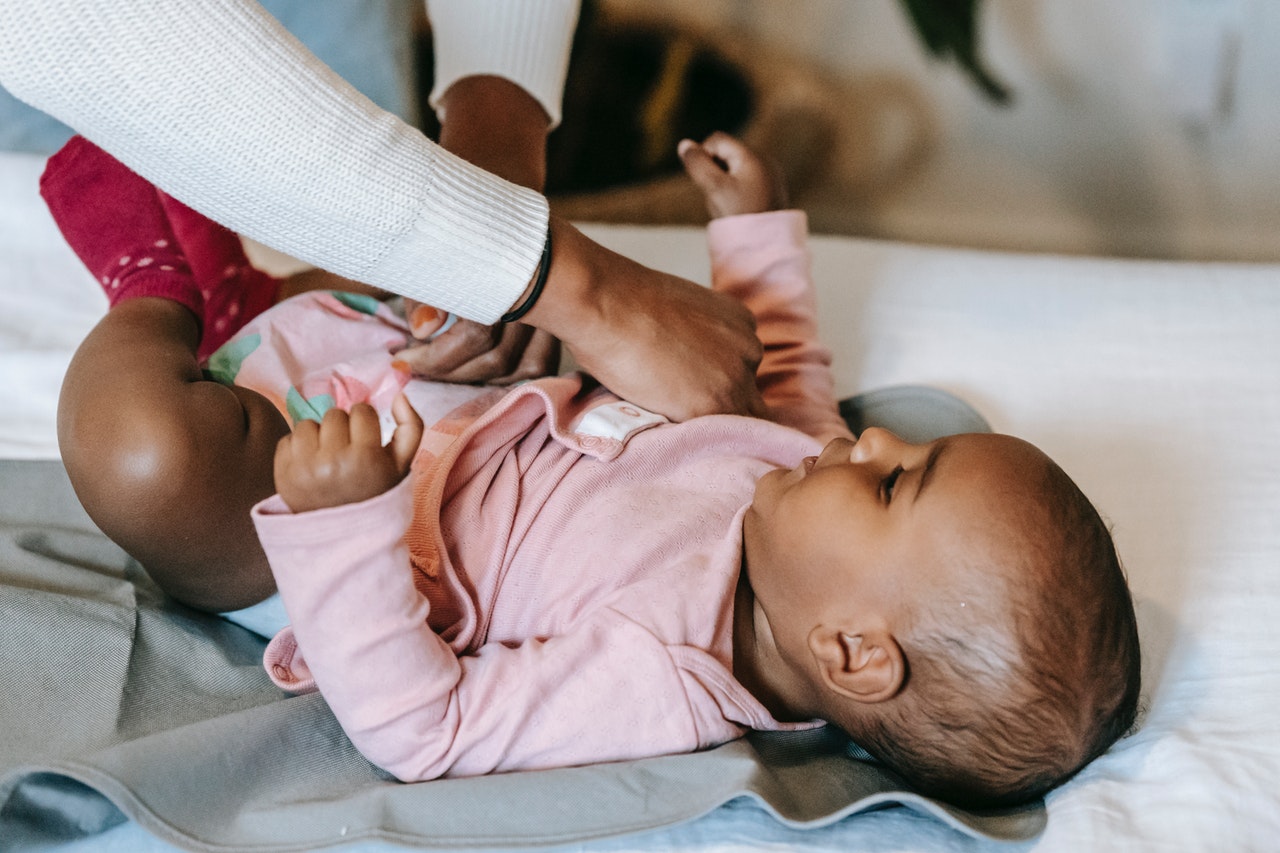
pixel 341 460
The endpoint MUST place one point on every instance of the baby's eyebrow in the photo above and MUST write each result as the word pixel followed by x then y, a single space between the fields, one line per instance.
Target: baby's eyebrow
pixel 929 465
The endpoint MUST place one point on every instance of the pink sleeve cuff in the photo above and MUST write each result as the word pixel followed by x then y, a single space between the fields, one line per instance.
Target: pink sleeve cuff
pixel 778 229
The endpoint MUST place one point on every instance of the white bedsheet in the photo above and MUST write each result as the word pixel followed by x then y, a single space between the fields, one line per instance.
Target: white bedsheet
pixel 1157 386
pixel 47 306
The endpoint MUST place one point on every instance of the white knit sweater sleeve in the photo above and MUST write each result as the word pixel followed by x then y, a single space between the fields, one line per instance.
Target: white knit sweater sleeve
pixel 525 41
pixel 214 102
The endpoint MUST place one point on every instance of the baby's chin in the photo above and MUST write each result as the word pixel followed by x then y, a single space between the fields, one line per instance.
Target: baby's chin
pixel 768 487
pixel 770 477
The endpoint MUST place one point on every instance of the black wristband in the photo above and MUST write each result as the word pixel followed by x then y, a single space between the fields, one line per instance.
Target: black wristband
pixel 544 267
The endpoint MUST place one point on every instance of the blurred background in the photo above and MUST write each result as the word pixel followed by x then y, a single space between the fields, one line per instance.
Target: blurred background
pixel 1142 128
pixel 1146 128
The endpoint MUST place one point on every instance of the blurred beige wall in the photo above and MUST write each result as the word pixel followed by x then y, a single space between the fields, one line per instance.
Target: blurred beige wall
pixel 1138 127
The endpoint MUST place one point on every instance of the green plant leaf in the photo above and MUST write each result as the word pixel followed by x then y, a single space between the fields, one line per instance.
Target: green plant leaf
pixel 949 30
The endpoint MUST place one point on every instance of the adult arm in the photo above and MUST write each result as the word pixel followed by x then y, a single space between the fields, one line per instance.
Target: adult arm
pixel 500 126
pixel 502 38
pixel 653 338
pixel 218 105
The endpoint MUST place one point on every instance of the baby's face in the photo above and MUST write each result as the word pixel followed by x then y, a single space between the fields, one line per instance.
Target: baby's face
pixel 882 527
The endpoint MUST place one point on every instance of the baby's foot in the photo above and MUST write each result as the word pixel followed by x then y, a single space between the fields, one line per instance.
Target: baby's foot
pixel 234 291
pixel 113 220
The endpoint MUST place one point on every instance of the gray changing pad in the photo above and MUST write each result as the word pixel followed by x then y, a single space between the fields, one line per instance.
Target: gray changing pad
pixel 118 703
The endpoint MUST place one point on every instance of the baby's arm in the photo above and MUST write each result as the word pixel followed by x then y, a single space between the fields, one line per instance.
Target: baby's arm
pixel 606 691
pixel 759 256
pixel 335 539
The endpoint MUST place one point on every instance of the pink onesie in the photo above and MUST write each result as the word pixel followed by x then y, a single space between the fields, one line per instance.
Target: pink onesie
pixel 554 582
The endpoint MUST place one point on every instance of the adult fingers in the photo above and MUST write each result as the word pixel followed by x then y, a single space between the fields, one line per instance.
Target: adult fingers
pixel 464 341
pixel 522 353
pixel 500 360
pixel 541 357
pixel 424 320
pixel 754 405
pixel 662 342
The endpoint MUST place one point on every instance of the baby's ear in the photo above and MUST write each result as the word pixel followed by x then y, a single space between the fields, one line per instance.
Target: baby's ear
pixel 867 666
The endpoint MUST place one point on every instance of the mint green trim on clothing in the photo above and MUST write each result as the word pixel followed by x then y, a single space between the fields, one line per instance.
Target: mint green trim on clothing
pixel 303 409
pixel 357 301
pixel 224 365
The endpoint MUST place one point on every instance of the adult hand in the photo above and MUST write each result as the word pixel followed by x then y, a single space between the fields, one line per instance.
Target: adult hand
pixel 471 352
pixel 501 128
pixel 655 339
pixel 341 460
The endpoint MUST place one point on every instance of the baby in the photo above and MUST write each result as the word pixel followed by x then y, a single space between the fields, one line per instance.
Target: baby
pixel 550 576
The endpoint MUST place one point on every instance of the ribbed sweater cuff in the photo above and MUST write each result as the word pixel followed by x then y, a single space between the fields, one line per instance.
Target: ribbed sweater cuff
pixel 477 237
pixel 524 41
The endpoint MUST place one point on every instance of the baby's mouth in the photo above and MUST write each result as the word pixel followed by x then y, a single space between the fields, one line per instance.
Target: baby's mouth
pixel 808 462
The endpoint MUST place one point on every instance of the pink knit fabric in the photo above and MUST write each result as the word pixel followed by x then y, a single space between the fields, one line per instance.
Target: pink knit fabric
pixel 539 595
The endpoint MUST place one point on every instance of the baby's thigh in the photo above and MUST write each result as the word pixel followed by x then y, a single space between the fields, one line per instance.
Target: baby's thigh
pixel 169 468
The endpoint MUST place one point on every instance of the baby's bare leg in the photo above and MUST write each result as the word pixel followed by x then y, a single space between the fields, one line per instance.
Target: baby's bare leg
pixel 166 462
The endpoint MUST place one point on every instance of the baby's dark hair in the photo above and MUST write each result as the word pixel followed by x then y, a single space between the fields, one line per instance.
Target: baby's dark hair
pixel 1012 698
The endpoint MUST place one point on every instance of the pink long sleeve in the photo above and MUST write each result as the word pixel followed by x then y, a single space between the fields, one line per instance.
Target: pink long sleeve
pixel 594 621
pixel 608 689
pixel 762 259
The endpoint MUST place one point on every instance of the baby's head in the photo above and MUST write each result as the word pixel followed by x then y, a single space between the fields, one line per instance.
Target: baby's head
pixel 957 607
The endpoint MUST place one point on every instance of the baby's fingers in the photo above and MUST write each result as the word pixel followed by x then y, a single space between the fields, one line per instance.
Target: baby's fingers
pixel 408 434
pixel 364 427
pixel 303 441
pixel 701 166
pixel 335 432
pixel 292 466
pixel 730 151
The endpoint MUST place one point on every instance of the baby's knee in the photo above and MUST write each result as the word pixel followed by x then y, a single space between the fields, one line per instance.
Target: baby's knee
pixel 129 464
pixel 173 487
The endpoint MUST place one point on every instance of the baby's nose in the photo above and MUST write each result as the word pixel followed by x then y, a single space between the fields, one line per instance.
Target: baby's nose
pixel 881 448
pixel 872 442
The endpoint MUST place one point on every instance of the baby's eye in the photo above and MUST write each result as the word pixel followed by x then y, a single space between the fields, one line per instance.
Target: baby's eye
pixel 886 485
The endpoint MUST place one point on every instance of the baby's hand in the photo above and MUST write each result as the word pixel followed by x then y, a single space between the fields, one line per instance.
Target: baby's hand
pixel 341 460
pixel 733 178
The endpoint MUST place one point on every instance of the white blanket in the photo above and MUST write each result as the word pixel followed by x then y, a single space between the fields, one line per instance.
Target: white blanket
pixel 1155 385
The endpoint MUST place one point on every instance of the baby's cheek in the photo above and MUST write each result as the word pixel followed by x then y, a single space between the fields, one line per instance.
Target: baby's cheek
pixel 767 488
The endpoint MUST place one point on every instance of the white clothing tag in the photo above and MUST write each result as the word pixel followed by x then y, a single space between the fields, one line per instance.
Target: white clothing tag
pixel 618 421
